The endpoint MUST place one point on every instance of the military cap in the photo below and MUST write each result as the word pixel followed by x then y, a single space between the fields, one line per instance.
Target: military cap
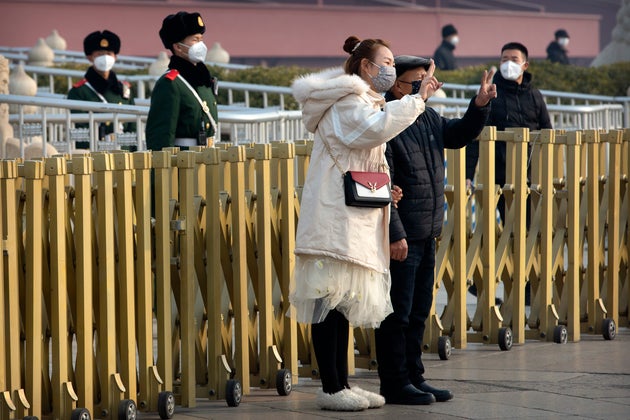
pixel 448 30
pixel 97 41
pixel 561 33
pixel 178 26
pixel 410 62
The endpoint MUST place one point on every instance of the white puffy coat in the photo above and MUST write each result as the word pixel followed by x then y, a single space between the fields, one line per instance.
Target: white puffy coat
pixel 356 122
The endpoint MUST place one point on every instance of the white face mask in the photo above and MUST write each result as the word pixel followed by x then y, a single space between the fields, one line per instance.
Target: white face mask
pixel 104 62
pixel 511 70
pixel 196 52
pixel 563 42
pixel 454 40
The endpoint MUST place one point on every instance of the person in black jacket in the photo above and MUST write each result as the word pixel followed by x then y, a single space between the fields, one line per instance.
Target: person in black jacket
pixel 518 104
pixel 557 49
pixel 443 55
pixel 416 160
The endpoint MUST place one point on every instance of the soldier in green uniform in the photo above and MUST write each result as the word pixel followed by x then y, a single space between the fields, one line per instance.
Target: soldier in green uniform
pixel 183 109
pixel 100 83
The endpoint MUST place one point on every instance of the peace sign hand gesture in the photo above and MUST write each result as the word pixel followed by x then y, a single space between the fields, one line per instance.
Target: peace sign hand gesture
pixel 429 84
pixel 487 90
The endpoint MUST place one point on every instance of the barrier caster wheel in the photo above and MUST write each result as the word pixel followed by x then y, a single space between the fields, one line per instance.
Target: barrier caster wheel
pixel 166 405
pixel 609 329
pixel 444 347
pixel 233 393
pixel 283 382
pixel 505 338
pixel 127 410
pixel 81 414
pixel 560 334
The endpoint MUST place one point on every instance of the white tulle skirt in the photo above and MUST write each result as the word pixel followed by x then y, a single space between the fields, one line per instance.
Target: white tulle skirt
pixel 324 283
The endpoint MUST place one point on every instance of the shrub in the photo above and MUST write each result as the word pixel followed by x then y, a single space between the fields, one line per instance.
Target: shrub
pixel 610 80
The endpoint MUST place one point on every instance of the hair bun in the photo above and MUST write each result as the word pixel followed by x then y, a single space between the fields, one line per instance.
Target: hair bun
pixel 352 42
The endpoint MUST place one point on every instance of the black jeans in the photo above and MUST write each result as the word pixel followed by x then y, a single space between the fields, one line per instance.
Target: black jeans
pixel 399 337
pixel 330 342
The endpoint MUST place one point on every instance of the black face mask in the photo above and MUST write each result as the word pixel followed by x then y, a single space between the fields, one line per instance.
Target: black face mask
pixel 415 86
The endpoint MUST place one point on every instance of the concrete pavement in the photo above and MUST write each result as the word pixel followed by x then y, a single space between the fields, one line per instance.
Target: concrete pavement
pixel 589 379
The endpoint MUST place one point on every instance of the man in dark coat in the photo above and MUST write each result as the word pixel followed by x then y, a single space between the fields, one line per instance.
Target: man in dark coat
pixel 557 49
pixel 443 55
pixel 183 110
pixel 100 83
pixel 518 104
pixel 416 160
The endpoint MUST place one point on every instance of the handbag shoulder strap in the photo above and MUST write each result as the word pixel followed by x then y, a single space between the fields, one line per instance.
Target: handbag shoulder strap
pixel 332 156
pixel 382 165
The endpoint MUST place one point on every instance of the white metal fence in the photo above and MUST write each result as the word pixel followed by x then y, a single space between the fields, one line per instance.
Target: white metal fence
pixel 239 121
pixel 237 124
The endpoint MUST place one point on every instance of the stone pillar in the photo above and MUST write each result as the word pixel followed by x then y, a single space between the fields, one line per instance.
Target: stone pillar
pixel 55 41
pixel 619 48
pixel 217 54
pixel 18 83
pixel 21 83
pixel 41 54
pixel 8 144
pixel 158 67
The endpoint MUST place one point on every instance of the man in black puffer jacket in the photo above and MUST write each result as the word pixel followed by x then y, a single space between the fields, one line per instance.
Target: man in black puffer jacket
pixel 518 104
pixel 416 160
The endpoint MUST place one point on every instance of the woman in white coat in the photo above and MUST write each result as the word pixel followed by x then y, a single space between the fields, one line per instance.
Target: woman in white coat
pixel 342 252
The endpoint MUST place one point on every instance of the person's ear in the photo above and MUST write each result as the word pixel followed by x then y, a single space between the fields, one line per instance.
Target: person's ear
pixel 525 65
pixel 364 64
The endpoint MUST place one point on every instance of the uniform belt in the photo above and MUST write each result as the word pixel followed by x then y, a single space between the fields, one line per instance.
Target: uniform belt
pixel 185 141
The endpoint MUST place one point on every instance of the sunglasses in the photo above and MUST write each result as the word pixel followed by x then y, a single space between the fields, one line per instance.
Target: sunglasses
pixel 415 85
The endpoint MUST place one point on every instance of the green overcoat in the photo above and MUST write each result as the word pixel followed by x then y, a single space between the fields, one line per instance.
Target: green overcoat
pixel 83 90
pixel 176 113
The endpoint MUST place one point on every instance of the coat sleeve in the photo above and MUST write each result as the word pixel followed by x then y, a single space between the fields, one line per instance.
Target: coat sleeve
pixel 74 94
pixel 358 124
pixel 544 121
pixel 163 115
pixel 79 94
pixel 396 228
pixel 439 59
pixel 82 93
pixel 458 132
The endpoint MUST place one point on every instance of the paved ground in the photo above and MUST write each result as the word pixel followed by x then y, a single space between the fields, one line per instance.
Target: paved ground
pixel 585 380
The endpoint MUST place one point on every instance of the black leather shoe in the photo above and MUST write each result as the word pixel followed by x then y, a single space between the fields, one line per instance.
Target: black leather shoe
pixel 408 395
pixel 439 394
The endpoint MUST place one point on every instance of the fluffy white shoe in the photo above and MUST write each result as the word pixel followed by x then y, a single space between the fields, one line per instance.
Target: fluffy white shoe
pixel 375 400
pixel 344 400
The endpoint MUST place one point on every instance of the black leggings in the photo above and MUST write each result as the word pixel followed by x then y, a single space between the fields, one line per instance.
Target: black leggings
pixel 330 342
